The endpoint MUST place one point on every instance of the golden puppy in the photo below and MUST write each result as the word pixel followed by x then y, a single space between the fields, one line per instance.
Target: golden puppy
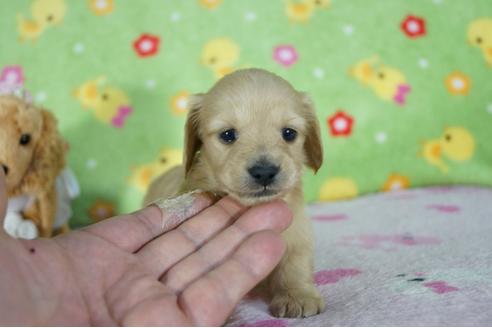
pixel 249 137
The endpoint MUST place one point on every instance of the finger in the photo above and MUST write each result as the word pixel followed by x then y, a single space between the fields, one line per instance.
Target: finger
pixel 132 231
pixel 160 254
pixel 3 199
pixel 274 216
pixel 142 301
pixel 209 300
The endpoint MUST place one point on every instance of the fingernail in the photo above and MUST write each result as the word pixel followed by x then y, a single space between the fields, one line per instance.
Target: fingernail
pixel 178 209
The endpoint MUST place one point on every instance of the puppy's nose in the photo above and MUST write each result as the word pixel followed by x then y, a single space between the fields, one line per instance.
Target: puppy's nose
pixel 5 169
pixel 264 173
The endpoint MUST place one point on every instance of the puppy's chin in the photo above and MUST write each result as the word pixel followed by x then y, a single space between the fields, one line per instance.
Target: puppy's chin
pixel 254 198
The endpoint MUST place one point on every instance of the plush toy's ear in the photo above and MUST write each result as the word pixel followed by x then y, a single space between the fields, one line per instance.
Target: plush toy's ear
pixel 312 144
pixel 193 142
pixel 48 157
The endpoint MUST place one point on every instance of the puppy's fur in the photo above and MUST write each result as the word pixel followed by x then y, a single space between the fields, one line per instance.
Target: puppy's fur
pixel 258 105
pixel 32 167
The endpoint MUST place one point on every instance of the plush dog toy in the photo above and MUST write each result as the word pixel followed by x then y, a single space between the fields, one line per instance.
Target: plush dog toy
pixel 32 156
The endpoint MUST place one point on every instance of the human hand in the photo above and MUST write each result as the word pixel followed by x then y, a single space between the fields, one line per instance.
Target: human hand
pixel 128 271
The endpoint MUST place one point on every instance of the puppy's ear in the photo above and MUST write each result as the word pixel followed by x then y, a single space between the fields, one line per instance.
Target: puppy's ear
pixel 312 145
pixel 193 143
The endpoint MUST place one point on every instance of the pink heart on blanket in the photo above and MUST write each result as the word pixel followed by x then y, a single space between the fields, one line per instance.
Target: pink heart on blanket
pixel 325 277
pixel 444 208
pixel 440 287
pixel 388 243
pixel 330 217
pixel 267 323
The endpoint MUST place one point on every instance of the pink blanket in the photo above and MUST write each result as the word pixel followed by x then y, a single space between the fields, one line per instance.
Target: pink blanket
pixel 412 258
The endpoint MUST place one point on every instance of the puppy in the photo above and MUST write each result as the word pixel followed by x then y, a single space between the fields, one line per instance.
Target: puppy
pixel 249 137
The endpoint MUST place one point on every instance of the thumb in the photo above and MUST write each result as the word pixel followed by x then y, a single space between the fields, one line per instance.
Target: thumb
pixel 3 198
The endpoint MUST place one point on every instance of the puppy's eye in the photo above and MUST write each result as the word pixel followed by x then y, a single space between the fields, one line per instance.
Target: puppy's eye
pixel 163 160
pixel 228 136
pixel 25 139
pixel 289 135
pixel 479 40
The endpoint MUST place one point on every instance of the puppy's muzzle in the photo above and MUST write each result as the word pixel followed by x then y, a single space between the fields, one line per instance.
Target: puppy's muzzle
pixel 263 173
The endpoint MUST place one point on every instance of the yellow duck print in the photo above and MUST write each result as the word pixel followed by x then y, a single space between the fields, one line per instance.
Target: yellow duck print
pixel 101 7
pixel 302 11
pixel 456 144
pixel 110 105
pixel 480 35
pixel 387 82
pixel 220 55
pixel 338 188
pixel 44 13
pixel 143 175
pixel 210 4
pixel 320 4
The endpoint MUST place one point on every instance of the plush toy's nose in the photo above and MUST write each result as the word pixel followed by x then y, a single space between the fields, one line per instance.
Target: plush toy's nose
pixel 5 169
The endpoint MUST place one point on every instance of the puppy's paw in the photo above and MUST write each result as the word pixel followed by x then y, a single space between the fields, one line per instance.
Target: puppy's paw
pixel 296 305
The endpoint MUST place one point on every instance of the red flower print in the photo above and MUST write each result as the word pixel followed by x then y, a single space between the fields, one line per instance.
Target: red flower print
pixel 340 124
pixel 146 45
pixel 413 26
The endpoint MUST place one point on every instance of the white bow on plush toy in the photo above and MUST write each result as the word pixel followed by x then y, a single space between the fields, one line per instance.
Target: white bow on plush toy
pixel 67 189
pixel 14 224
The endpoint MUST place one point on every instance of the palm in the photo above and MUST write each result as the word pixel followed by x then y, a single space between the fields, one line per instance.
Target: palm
pixel 119 273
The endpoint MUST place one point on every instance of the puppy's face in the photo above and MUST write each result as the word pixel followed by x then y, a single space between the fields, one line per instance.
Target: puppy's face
pixel 254 133
pixel 20 129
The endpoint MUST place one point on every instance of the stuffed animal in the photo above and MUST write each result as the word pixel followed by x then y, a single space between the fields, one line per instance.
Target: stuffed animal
pixel 32 156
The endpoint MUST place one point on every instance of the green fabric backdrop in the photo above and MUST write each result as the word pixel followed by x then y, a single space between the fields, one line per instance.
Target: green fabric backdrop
pixel 403 89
